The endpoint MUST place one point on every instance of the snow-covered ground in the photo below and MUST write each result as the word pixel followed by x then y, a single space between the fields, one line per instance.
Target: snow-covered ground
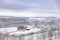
pixel 25 32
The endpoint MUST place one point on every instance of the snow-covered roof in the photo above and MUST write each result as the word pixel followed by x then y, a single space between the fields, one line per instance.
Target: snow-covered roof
pixel 7 30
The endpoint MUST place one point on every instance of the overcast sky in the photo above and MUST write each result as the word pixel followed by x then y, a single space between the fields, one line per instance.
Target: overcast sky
pixel 30 8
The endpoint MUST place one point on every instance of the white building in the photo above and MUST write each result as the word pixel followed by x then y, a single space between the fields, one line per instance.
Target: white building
pixel 8 29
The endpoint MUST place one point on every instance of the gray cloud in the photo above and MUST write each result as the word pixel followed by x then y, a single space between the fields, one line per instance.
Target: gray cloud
pixel 40 6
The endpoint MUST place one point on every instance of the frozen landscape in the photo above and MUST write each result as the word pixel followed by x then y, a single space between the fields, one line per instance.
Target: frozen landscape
pixel 29 28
